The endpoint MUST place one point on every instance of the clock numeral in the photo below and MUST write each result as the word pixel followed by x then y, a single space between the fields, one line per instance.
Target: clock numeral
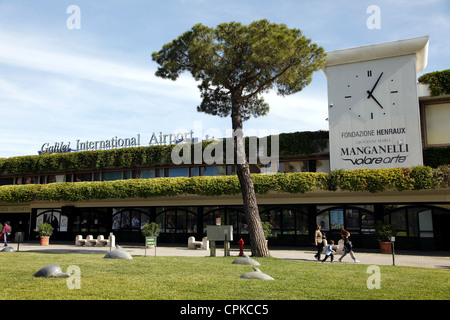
pixel 394 91
pixel 371 115
pixel 369 73
pixel 348 97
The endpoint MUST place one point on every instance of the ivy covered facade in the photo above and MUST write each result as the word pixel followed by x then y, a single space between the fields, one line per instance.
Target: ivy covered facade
pixel 120 190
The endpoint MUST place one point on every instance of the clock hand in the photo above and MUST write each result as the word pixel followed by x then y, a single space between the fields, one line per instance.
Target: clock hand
pixel 370 95
pixel 376 83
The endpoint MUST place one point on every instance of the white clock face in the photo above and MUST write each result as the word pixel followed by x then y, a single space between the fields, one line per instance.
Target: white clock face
pixel 367 91
pixel 374 114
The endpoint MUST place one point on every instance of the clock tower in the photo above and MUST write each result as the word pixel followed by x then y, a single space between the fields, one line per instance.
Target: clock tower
pixel 373 106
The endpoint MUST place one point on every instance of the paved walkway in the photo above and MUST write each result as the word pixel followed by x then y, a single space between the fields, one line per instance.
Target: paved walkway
pixel 426 259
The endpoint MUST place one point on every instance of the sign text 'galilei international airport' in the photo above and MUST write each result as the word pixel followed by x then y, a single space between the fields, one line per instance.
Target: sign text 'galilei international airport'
pixel 115 143
pixel 181 154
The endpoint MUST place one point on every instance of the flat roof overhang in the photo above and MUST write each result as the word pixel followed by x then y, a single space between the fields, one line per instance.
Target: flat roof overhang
pixel 426 196
pixel 417 46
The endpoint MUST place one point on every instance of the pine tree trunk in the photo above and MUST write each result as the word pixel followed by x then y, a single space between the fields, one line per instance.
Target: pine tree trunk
pixel 258 242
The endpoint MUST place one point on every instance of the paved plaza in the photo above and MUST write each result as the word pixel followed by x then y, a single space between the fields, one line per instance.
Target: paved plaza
pixel 425 259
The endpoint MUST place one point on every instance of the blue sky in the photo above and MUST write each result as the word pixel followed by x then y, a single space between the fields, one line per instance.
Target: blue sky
pixel 97 82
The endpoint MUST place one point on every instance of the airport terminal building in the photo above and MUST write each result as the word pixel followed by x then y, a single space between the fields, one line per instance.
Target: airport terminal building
pixel 99 190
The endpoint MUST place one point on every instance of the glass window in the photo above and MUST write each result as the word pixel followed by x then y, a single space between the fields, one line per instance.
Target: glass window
pixel 135 220
pixel 413 230
pixel 90 220
pixel 367 222
pixel 436 123
pixel 30 180
pixel 177 220
pixel 110 176
pixel 270 168
pixel 116 221
pixel 135 174
pixel 148 174
pixel 294 166
pixel 323 220
pixel 126 219
pixel 323 165
pixel 425 224
pixel 232 219
pixel 398 220
pixel 349 218
pixel 178 172
pixel 6 181
pixel 53 217
pixel 230 169
pixel 126 174
pixel 76 227
pixel 51 179
pixel 79 177
pixel 274 217
pixel 170 221
pixel 191 222
pixel 160 221
pixel 228 215
pixel 243 226
pixel 288 221
pixel 352 220
pixel 181 221
pixel 337 218
pixel 97 222
pixel 193 171
pixel 211 214
pixel 212 171
pixel 84 221
pixel 302 223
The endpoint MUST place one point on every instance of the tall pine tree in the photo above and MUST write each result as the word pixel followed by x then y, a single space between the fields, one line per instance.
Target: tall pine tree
pixel 235 65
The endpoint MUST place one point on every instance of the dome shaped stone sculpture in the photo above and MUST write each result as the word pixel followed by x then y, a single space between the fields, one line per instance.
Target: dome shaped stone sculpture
pixel 257 274
pixel 118 253
pixel 51 271
pixel 247 261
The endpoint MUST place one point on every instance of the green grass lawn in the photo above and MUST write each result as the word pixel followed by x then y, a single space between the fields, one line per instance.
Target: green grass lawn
pixel 211 278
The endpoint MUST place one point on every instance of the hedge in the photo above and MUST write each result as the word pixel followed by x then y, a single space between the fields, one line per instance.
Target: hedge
pixel 292 144
pixel 374 180
pixel 439 82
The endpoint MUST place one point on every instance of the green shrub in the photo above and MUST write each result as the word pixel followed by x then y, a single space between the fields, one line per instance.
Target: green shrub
pixel 439 82
pixel 375 180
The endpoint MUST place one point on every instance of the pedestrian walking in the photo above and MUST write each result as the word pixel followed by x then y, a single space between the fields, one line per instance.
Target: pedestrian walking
pixel 6 232
pixel 348 246
pixel 318 240
pixel 329 252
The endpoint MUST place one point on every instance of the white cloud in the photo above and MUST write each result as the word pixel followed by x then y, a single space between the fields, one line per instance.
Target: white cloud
pixel 50 92
pixel 99 81
pixel 25 54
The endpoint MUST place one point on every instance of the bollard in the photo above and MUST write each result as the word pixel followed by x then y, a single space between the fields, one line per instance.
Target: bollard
pixel 226 245
pixel 393 250
pixel 226 252
pixel 212 248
